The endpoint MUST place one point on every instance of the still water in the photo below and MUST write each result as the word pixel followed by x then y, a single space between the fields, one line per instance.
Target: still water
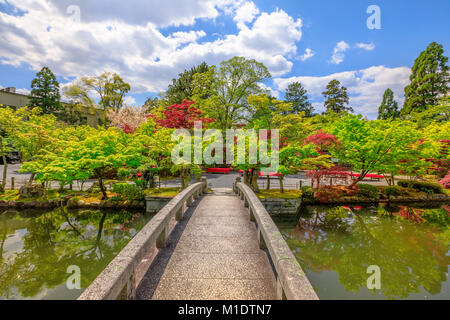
pixel 336 245
pixel 37 248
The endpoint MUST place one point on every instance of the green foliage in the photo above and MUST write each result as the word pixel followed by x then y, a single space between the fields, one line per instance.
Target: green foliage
pixel 130 191
pixel 429 80
pixel 109 86
pixel 437 217
pixel 182 88
pixel 389 107
pixel 222 94
pixel 297 95
pixel 393 191
pixel 368 190
pixel 45 92
pixel 379 146
pixel 2 189
pixel 308 192
pixel 336 98
pixel 424 186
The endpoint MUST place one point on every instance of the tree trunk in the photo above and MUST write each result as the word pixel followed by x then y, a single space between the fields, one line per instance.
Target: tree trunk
pixel 281 184
pixel 152 181
pixel 5 164
pixel 246 178
pixel 268 182
pixel 183 179
pixel 33 175
pixel 102 188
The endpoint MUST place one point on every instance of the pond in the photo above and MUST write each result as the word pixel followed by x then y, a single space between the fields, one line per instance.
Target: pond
pixel 36 249
pixel 336 245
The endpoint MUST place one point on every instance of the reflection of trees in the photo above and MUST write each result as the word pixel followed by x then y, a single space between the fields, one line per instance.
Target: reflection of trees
pixel 409 255
pixel 60 238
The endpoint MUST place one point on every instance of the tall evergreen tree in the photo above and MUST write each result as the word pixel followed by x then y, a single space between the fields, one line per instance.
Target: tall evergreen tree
pixel 336 98
pixel 297 95
pixel 45 92
pixel 389 107
pixel 182 87
pixel 429 80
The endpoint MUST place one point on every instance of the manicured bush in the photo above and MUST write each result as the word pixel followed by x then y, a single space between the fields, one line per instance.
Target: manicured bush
pixel 424 186
pixel 129 191
pixel 393 191
pixel 307 192
pixel 369 191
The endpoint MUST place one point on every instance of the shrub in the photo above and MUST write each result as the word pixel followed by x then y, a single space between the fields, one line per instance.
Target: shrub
pixel 307 192
pixel 369 191
pixel 445 183
pixel 327 194
pixel 129 191
pixel 393 191
pixel 116 198
pixel 2 190
pixel 428 187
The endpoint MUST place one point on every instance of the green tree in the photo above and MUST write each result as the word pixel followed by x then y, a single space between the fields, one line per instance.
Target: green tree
pixel 370 146
pixel 389 107
pixel 336 98
pixel 110 87
pixel 297 95
pixel 45 92
pixel 429 80
pixel 222 94
pixel 182 88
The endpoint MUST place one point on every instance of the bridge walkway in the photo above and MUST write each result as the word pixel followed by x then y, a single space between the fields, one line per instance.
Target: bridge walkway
pixel 215 255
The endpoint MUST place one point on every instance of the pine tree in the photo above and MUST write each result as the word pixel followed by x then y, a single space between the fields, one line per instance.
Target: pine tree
pixel 297 95
pixel 389 107
pixel 182 87
pixel 336 98
pixel 429 80
pixel 45 92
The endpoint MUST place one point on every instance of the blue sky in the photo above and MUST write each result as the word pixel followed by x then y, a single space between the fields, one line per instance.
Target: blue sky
pixel 148 42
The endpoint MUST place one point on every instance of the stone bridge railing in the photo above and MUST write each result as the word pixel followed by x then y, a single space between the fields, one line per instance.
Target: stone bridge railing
pixel 117 281
pixel 292 283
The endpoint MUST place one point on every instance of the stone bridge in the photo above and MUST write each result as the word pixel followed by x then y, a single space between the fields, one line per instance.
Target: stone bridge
pixel 205 246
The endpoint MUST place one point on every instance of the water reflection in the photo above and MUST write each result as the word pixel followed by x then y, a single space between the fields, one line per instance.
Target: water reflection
pixel 36 249
pixel 336 245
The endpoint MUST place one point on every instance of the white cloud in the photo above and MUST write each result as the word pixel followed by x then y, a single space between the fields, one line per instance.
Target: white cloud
pixel 129 101
pixel 245 13
pixel 366 46
pixel 338 52
pixel 274 93
pixel 108 38
pixel 307 55
pixel 365 87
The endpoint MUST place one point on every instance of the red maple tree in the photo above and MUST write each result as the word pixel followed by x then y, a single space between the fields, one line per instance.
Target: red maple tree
pixel 182 116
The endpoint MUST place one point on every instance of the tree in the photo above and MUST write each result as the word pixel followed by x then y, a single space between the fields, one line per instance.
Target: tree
pixel 434 114
pixel 429 80
pixel 45 92
pixel 182 116
pixel 28 131
pixel 222 94
pixel 297 95
pixel 336 98
pixel 128 118
pixel 389 107
pixel 375 145
pixel 182 88
pixel 110 87
pixel 265 109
